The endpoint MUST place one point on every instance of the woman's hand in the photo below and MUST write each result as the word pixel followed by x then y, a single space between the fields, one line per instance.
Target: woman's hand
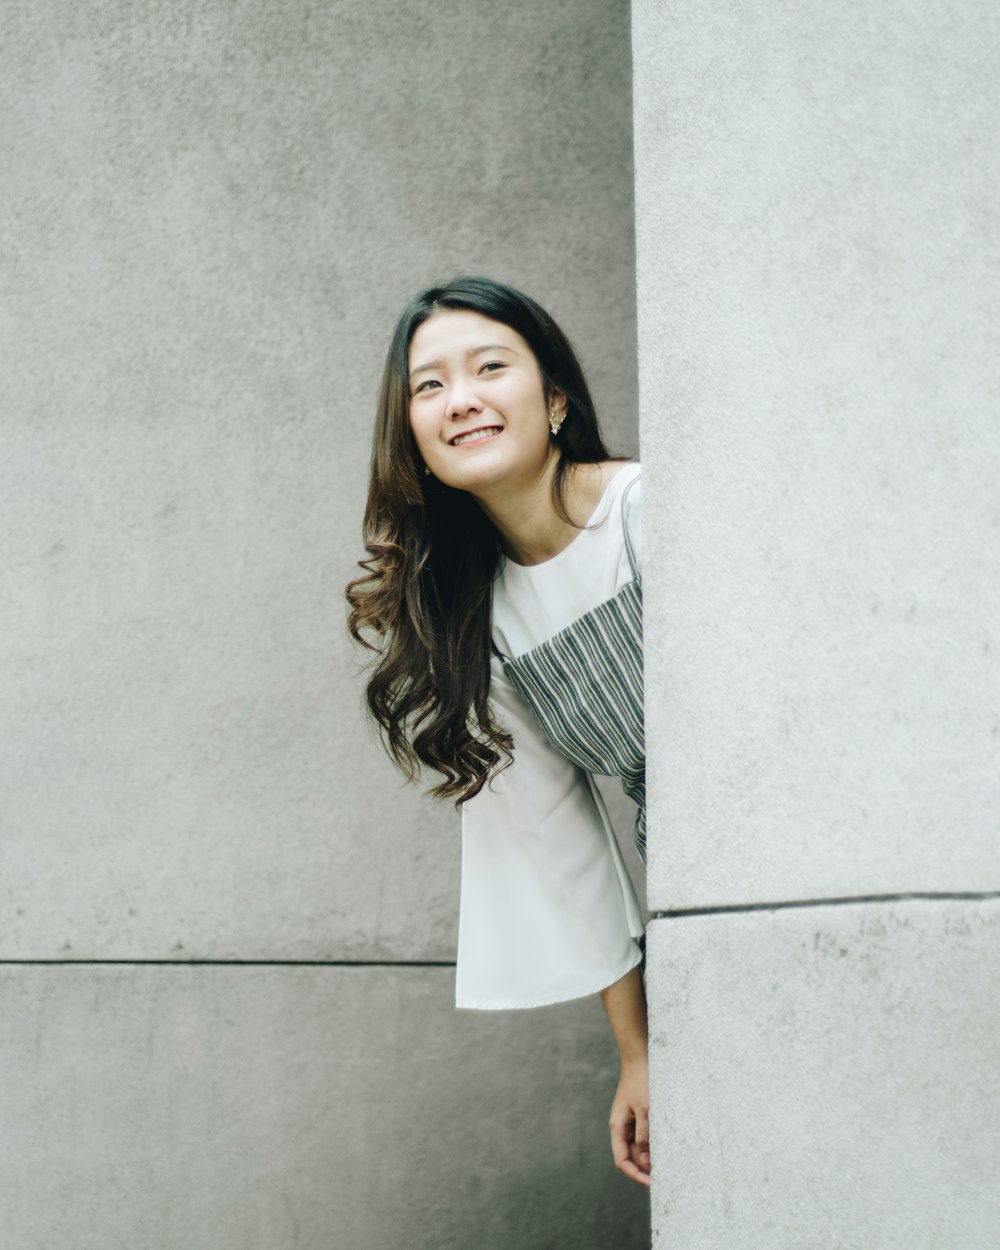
pixel 630 1121
pixel 625 1003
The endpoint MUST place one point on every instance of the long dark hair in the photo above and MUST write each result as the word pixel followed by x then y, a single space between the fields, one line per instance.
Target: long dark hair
pixel 433 554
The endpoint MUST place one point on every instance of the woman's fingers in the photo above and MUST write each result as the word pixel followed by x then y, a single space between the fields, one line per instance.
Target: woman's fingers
pixel 640 1158
pixel 627 1154
pixel 640 1142
pixel 629 1122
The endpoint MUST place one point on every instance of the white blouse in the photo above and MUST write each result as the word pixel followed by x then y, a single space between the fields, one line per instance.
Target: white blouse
pixel 548 911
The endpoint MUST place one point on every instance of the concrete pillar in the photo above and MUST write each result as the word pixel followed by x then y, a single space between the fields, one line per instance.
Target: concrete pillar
pixel 818 301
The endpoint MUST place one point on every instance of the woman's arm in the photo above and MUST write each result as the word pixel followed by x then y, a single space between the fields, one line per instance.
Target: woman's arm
pixel 625 1003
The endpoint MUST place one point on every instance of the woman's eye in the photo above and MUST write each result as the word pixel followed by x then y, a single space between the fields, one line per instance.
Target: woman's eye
pixel 428 382
pixel 491 366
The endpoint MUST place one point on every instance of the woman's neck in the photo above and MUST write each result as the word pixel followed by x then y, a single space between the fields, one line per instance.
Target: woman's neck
pixel 531 530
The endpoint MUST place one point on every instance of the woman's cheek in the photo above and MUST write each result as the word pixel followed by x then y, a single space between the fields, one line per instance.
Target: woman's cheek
pixel 422 435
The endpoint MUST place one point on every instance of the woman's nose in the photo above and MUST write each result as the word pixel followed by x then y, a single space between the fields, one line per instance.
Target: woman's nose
pixel 462 398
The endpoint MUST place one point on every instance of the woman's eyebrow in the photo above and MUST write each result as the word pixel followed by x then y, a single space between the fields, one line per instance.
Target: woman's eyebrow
pixel 473 351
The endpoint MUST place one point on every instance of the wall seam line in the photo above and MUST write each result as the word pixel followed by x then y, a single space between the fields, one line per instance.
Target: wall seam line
pixel 241 963
pixel 846 901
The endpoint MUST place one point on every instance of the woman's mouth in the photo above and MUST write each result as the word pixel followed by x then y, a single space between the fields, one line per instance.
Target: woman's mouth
pixel 475 436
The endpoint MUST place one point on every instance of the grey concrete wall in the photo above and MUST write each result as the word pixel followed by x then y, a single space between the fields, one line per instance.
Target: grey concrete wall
pixel 211 215
pixel 817 252
pixel 194 1107
pixel 827 1077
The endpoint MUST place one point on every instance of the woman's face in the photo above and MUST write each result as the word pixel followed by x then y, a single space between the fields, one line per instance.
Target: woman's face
pixel 477 403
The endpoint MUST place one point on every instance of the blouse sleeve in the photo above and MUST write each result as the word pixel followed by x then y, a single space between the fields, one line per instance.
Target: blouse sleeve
pixel 548 911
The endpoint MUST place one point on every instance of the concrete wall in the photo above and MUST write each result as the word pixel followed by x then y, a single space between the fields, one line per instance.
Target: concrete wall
pixel 817 251
pixel 212 212
pixel 198 1106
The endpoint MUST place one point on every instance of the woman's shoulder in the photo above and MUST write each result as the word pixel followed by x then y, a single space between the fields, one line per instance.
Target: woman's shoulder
pixel 615 521
pixel 619 471
pixel 602 482
pixel 623 472
pixel 629 481
pixel 621 486
pixel 605 471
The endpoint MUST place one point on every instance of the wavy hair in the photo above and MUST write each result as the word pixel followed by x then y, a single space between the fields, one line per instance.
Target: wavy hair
pixel 423 602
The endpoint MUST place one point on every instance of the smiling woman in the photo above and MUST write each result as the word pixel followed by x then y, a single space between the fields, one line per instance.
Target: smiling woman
pixel 478 409
pixel 502 596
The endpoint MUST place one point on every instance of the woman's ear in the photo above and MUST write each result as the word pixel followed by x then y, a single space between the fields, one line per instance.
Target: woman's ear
pixel 557 410
pixel 557 402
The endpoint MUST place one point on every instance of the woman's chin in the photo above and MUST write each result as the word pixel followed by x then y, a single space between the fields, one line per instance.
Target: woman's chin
pixel 489 469
pixel 479 472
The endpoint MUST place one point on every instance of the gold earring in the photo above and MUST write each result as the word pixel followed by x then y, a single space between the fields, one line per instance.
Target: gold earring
pixel 427 471
pixel 555 420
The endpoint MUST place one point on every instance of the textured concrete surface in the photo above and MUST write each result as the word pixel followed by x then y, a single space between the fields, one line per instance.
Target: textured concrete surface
pixel 819 368
pixel 816 250
pixel 269 1108
pixel 826 1078
pixel 211 215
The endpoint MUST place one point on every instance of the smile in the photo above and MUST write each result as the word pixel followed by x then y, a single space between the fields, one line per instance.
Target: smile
pixel 489 431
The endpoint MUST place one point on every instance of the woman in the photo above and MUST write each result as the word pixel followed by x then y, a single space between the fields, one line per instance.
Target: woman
pixel 502 591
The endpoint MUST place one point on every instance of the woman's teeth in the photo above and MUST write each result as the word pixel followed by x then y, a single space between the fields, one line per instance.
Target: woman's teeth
pixel 476 434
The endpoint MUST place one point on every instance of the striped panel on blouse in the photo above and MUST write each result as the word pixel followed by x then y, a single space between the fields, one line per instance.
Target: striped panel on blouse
pixel 584 686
